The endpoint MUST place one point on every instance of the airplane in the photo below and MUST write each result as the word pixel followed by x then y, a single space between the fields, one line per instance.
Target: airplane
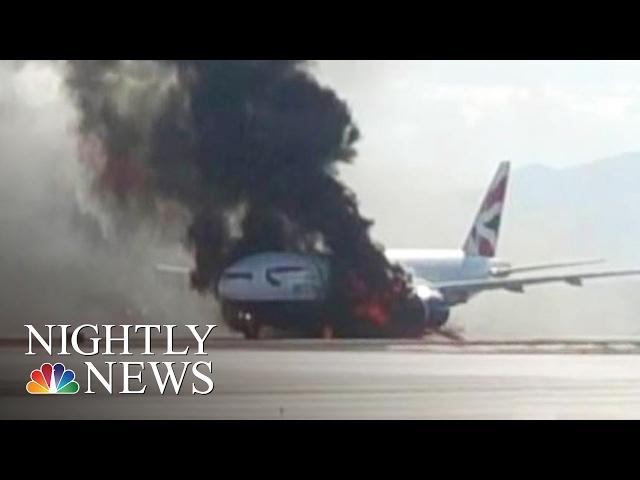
pixel 280 289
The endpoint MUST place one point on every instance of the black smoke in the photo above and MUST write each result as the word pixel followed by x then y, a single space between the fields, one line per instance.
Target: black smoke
pixel 248 150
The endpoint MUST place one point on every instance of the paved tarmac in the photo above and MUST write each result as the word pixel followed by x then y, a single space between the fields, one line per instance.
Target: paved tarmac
pixel 355 380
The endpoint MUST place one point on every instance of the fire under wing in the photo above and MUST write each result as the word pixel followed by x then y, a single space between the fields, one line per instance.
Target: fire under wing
pixel 458 291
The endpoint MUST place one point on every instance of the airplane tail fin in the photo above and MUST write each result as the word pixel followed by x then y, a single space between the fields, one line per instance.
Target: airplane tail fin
pixel 483 238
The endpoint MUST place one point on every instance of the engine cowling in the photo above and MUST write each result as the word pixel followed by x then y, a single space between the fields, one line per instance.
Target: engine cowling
pixel 436 309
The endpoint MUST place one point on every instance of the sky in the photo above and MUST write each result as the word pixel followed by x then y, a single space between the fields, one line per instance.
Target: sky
pixel 430 130
pixel 453 121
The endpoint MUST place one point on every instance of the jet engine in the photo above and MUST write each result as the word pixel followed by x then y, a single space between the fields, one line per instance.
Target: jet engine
pixel 436 309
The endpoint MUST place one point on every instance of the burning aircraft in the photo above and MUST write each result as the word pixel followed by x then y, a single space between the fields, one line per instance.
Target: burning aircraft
pixel 247 152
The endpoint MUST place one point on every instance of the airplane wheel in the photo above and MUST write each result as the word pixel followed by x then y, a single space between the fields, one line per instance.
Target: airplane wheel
pixel 265 332
pixel 327 332
pixel 255 330
pixel 252 330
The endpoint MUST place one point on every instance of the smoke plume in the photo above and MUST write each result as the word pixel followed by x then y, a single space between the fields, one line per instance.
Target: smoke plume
pixel 246 150
pixel 61 263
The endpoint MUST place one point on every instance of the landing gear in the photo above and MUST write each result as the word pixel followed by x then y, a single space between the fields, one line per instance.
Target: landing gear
pixel 242 321
pixel 254 329
pixel 251 331
pixel 258 321
pixel 327 333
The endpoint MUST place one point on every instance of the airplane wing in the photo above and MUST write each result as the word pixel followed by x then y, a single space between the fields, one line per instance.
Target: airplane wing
pixel 469 287
pixel 173 269
pixel 509 270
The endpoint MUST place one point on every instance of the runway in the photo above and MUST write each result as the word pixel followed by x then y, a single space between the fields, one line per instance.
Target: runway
pixel 365 380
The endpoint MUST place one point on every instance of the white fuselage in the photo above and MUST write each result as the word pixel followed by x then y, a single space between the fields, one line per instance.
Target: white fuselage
pixel 283 276
pixel 436 265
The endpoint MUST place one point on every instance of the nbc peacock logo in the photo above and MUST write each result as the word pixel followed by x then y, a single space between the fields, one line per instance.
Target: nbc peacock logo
pixel 52 380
